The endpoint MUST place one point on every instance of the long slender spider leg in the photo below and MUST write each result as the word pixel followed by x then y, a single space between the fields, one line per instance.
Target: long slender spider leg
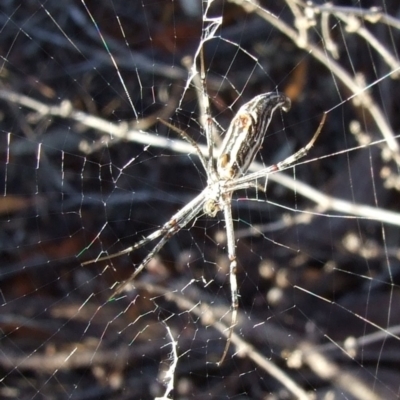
pixel 139 269
pixel 198 85
pixel 190 140
pixel 174 226
pixel 208 123
pixel 286 163
pixel 243 186
pixel 230 240
pixel 304 150
pixel 180 218
pixel 136 246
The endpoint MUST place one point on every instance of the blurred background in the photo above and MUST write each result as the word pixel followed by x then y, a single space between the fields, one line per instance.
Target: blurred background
pixel 87 170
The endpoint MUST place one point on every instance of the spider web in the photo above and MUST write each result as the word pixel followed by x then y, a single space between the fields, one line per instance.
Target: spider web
pixel 88 169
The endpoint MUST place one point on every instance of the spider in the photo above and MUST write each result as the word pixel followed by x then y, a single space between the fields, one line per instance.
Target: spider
pixel 225 174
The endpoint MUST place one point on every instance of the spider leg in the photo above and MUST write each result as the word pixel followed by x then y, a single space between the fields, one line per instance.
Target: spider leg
pixel 166 236
pixel 230 240
pixel 286 163
pixel 244 183
pixel 176 222
pixel 304 150
pixel 172 227
pixel 162 231
pixel 243 186
pixel 190 140
pixel 206 105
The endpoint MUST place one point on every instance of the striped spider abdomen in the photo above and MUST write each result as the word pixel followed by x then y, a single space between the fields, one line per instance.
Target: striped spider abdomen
pixel 246 132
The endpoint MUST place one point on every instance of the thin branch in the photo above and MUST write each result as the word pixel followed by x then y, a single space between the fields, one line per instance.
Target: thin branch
pixel 337 70
pixel 243 347
pixel 122 130
pixel 305 351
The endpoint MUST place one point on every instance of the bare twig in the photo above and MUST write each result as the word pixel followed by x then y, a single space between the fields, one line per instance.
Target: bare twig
pixel 359 93
pixel 122 131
